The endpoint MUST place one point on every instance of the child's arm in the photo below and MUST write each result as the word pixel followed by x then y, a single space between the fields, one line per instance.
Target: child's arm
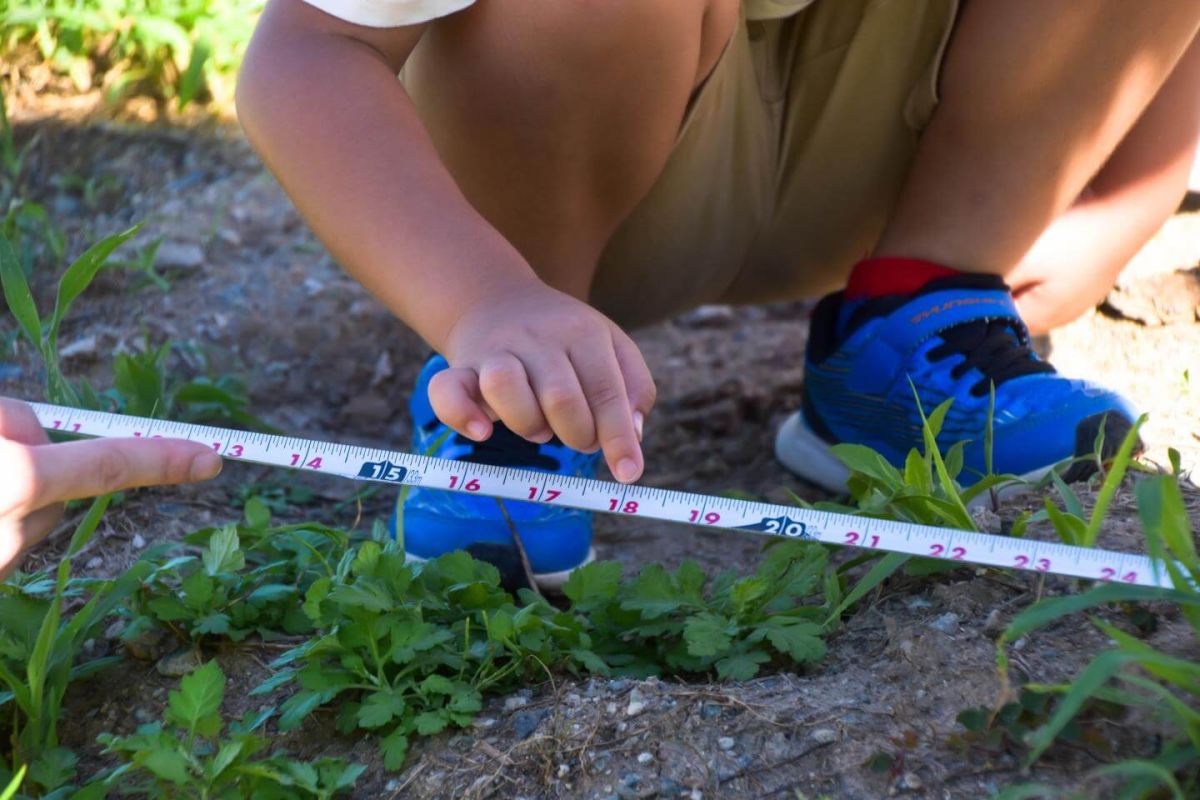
pixel 320 100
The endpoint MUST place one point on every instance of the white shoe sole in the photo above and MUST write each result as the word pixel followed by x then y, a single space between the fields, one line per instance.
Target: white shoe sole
pixel 546 581
pixel 809 456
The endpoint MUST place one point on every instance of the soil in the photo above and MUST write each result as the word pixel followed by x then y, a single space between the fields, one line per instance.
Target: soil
pixel 251 286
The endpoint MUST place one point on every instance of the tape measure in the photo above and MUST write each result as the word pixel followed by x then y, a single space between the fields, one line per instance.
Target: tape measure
pixel 640 502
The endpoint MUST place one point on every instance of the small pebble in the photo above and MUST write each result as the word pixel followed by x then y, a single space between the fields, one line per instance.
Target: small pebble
pixel 80 348
pixel 946 623
pixel 824 735
pixel 526 722
pixel 645 757
pixel 994 625
pixel 634 708
pixel 95 562
pixel 179 663
pixel 669 788
pixel 986 520
pixel 563 770
pixel 179 255
pixel 726 743
pixel 138 542
pixel 515 702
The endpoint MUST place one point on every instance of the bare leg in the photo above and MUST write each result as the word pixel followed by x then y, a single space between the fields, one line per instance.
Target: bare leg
pixel 555 120
pixel 1036 97
pixel 1077 259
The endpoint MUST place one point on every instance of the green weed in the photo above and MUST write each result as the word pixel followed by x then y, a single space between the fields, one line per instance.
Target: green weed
pixel 409 650
pixel 44 335
pixel 39 649
pixel 193 754
pixel 1133 674
pixel 247 579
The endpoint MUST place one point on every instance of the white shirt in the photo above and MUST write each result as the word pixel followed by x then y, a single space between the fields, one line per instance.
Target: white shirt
pixel 395 13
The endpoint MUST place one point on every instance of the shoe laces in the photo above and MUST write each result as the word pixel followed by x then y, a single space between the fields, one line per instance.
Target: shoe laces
pixel 506 449
pixel 996 347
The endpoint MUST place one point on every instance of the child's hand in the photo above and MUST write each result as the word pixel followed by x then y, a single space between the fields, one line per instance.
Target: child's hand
pixel 544 363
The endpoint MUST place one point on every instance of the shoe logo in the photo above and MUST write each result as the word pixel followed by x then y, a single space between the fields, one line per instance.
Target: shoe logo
pixel 952 304
pixel 781 526
pixel 383 471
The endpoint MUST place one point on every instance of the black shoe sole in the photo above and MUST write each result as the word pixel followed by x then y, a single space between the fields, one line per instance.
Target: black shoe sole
pixel 1115 428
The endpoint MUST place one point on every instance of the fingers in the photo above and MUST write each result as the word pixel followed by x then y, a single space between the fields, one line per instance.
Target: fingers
pixel 456 399
pixel 504 385
pixel 639 383
pixel 604 386
pixel 563 402
pixel 75 470
pixel 18 423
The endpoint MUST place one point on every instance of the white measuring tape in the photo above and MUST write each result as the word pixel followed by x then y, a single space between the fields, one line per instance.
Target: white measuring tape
pixel 708 511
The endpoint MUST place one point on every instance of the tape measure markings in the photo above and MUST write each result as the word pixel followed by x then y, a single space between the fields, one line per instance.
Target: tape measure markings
pixel 630 500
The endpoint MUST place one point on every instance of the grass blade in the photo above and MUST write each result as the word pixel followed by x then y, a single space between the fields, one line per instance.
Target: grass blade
pixel 17 294
pixel 1138 768
pixel 80 274
pixel 877 574
pixel 1112 481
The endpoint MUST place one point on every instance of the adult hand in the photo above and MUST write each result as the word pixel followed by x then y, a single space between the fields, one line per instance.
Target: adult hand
pixel 545 363
pixel 37 477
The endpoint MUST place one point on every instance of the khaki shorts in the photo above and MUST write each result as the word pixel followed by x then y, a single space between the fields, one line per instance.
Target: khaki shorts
pixel 788 162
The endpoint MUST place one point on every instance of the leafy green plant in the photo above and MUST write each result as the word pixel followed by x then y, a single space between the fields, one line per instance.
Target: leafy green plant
pixel 409 650
pixel 247 579
pixel 44 335
pixel 1133 673
pixel 193 754
pixel 39 650
pixel 181 50
pixel 685 623
pixel 143 385
pixel 1005 730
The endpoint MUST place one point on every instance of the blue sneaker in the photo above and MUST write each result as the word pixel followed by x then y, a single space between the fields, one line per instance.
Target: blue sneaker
pixel 953 339
pixel 556 539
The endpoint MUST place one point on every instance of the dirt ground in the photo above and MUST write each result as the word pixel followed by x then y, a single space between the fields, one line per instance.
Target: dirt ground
pixel 323 360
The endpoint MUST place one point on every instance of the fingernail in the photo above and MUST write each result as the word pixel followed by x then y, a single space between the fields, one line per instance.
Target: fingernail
pixel 477 430
pixel 204 466
pixel 627 470
pixel 638 421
